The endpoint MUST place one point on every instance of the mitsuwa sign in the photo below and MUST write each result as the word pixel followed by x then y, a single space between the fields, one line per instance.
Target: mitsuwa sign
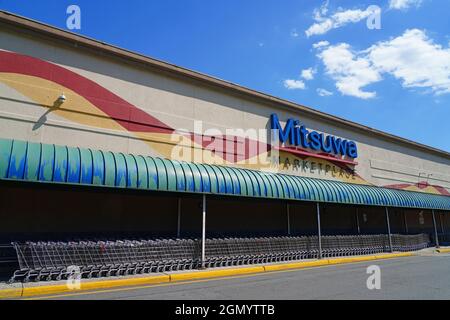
pixel 297 135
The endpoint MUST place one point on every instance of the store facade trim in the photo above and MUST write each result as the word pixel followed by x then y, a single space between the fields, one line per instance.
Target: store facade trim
pixel 28 161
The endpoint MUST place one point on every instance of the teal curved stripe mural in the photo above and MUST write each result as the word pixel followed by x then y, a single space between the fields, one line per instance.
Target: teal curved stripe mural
pixel 30 161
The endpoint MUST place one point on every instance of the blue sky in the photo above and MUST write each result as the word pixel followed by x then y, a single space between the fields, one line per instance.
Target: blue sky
pixel 395 79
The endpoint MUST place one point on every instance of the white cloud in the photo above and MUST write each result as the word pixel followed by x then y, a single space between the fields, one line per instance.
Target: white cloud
pixel 350 72
pixel 412 58
pixel 403 4
pixel 321 11
pixel 321 44
pixel 294 33
pixel 336 20
pixel 323 92
pixel 294 84
pixel 308 74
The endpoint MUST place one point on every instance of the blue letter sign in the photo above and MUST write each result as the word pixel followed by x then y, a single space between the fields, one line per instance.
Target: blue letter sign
pixel 299 136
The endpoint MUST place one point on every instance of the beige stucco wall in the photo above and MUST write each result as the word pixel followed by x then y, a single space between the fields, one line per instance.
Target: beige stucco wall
pixel 178 103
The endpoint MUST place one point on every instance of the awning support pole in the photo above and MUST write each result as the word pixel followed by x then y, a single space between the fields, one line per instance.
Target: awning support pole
pixel 203 230
pixel 441 223
pixel 357 221
pixel 319 233
pixel 406 222
pixel 288 219
pixel 435 229
pixel 179 219
pixel 389 230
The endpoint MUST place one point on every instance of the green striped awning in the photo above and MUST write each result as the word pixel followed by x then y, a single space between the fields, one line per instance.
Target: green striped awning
pixel 28 161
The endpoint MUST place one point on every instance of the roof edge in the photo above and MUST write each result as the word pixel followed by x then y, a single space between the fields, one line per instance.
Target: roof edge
pixel 83 41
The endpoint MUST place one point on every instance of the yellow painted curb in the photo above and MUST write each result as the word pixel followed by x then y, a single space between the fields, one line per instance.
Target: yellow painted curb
pixel 52 289
pixel 59 288
pixel 333 261
pixel 214 273
pixel 295 265
pixel 125 282
pixel 193 275
pixel 350 259
pixel 443 250
pixel 395 255
pixel 43 290
pixel 10 293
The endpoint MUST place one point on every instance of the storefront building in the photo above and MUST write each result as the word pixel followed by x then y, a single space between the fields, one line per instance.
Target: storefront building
pixel 99 140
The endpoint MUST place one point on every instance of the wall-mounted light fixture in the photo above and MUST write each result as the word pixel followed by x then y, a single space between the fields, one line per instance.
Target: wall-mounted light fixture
pixel 62 98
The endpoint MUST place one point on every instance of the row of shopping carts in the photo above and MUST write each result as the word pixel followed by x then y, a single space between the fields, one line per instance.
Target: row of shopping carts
pixel 337 246
pixel 54 260
pixel 50 260
pixel 401 242
pixel 222 252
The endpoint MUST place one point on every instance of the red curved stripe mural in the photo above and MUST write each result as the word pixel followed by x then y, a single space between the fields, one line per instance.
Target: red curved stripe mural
pixel 127 115
pixel 420 186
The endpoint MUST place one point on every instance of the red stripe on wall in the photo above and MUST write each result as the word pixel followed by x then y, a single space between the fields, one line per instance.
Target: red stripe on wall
pixel 127 115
